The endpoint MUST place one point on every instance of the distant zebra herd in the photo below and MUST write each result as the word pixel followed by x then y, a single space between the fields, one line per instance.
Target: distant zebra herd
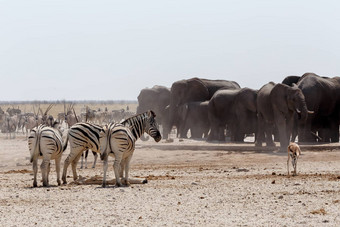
pixel 115 139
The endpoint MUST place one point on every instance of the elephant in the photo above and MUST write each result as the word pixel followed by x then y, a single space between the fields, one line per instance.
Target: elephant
pixel 277 105
pixel 157 99
pixel 322 96
pixel 193 90
pixel 195 117
pixel 235 109
pixel 290 80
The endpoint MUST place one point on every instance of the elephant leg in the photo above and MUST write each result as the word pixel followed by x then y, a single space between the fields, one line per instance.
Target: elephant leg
pixel 280 122
pixel 334 136
pixel 269 135
pixel 260 131
pixel 213 132
pixel 305 132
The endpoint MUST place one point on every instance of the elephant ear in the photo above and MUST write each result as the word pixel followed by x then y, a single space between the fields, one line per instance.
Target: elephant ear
pixel 197 91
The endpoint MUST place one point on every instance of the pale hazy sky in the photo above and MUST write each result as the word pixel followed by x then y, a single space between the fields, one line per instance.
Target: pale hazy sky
pixel 110 50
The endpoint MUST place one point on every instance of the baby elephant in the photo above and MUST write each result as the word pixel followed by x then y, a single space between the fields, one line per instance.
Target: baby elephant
pixel 294 153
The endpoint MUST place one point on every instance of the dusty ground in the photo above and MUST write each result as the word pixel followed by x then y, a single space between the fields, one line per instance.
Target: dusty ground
pixel 185 188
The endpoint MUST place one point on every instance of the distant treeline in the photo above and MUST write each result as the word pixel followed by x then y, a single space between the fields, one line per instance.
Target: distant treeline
pixel 104 102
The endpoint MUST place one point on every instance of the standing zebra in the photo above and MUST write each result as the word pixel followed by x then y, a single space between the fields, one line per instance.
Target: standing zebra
pixel 82 136
pixel 119 140
pixel 46 143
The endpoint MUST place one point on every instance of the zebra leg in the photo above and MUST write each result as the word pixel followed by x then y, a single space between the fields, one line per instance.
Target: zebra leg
pixel 57 166
pixel 35 171
pixel 122 167
pixel 82 160
pixel 68 160
pixel 105 170
pixel 116 167
pixel 127 168
pixel 44 171
pixel 66 164
pixel 74 166
pixel 48 173
pixel 86 154
pixel 95 159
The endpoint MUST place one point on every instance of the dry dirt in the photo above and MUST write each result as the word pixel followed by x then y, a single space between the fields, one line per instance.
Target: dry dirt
pixel 185 188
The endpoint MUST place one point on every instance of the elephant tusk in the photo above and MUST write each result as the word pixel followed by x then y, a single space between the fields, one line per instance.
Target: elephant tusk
pixel 298 111
pixel 310 112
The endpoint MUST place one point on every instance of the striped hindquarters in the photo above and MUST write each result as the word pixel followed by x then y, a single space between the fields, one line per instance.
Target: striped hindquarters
pixel 85 135
pixel 122 137
pixel 44 140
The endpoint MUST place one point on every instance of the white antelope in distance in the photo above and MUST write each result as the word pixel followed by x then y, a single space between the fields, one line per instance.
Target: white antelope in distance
pixel 9 125
pixel 118 139
pixel 47 143
pixel 294 152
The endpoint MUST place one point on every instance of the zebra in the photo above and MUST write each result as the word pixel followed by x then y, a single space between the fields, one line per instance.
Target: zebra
pixel 71 119
pixel 82 136
pixel 119 139
pixel 46 143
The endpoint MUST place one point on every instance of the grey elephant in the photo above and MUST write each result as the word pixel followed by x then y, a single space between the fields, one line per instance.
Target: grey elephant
pixel 277 105
pixel 235 109
pixel 322 95
pixel 193 90
pixel 195 117
pixel 290 80
pixel 157 99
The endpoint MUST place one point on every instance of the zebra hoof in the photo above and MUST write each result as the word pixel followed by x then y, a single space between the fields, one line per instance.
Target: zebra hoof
pixel 35 184
pixel 145 181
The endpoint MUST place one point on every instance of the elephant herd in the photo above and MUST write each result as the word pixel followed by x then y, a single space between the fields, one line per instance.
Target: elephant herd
pixel 306 107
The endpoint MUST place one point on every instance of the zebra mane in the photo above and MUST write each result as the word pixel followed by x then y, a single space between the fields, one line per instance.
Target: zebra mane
pixel 136 124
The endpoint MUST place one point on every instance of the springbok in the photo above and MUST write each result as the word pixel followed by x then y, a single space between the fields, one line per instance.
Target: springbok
pixel 294 152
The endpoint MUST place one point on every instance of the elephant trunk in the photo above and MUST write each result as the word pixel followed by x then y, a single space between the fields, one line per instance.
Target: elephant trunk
pixel 301 109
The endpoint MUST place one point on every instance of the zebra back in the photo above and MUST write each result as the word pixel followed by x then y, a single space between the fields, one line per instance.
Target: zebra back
pixel 86 135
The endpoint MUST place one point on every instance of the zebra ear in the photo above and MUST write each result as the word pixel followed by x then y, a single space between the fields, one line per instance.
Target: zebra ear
pixel 151 113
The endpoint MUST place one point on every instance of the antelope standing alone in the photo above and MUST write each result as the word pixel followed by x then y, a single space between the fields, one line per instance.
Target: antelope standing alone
pixel 294 152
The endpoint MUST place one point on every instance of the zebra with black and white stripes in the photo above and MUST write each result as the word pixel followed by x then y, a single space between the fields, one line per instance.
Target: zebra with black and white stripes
pixel 46 143
pixel 119 139
pixel 82 136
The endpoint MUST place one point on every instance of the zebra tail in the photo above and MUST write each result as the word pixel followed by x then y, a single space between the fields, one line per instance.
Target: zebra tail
pixel 65 140
pixel 36 147
pixel 103 155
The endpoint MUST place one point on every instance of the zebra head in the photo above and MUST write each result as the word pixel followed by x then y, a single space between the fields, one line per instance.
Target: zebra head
pixel 151 126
